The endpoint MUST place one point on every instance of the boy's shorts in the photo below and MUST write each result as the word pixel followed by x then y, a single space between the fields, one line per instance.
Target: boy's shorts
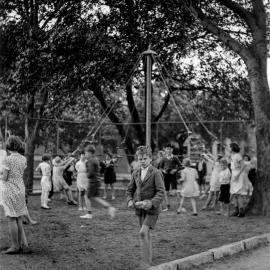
pixel 93 189
pixel 146 219
pixel 170 181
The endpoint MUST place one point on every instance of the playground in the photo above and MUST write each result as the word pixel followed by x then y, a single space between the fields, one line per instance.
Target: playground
pixel 61 240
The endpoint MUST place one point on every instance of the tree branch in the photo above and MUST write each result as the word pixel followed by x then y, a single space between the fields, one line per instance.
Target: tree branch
pixel 221 34
pixel 239 10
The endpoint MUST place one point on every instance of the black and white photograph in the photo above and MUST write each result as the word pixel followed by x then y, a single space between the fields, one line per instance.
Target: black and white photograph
pixel 135 135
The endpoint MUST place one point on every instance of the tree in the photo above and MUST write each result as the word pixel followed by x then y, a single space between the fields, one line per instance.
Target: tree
pixel 242 27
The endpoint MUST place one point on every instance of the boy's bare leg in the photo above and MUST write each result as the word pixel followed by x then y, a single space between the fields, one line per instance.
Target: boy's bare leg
pixel 105 191
pixel 113 191
pixel 193 203
pixel 181 205
pixel 111 209
pixel 146 245
pixel 209 199
pixel 88 203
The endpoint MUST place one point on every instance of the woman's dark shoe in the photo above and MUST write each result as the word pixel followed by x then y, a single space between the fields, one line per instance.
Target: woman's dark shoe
pixel 241 212
pixel 235 212
pixel 11 251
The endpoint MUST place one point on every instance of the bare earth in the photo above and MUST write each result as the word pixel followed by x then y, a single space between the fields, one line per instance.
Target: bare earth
pixel 63 241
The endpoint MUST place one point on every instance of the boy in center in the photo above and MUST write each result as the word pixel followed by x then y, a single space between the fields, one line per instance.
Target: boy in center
pixel 145 193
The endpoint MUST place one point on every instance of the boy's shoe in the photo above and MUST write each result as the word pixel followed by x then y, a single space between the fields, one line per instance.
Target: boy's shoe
pixel 45 208
pixel 165 210
pixel 194 214
pixel 111 211
pixel 49 200
pixel 87 216
pixel 218 213
pixel 80 209
pixel 183 210
pixel 72 203
pixel 85 208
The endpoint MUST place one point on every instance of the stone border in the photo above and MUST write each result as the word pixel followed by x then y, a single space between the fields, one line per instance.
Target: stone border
pixel 214 254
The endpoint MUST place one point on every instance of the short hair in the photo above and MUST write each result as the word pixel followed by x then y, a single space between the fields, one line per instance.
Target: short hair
pixel 144 150
pixel 224 162
pixel 81 152
pixel 90 148
pixel 235 147
pixel 247 156
pixel 169 145
pixel 46 157
pixel 186 162
pixel 14 143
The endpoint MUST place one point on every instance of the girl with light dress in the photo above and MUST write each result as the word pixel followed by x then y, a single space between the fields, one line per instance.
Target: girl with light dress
pixel 59 183
pixel 238 180
pixel 190 188
pixel 13 196
pixel 214 181
pixel 45 168
pixel 82 183
pixel 3 155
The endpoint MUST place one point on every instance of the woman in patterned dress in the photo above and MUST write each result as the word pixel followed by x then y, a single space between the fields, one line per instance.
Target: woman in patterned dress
pixel 13 195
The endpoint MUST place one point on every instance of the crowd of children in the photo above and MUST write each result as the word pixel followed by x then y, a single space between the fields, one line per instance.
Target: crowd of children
pixel 150 185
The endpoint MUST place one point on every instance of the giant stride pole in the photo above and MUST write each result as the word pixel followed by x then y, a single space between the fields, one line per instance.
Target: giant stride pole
pixel 148 54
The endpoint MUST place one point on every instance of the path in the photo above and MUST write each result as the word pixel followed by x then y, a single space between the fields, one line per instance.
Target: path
pixel 257 259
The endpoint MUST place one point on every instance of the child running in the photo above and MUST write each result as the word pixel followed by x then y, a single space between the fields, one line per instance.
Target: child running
pixel 145 193
pixel 190 187
pixel 224 180
pixel 92 168
pixel 45 168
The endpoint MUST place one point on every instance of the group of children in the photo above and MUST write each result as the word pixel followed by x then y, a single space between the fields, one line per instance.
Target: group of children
pixel 145 192
pixel 87 169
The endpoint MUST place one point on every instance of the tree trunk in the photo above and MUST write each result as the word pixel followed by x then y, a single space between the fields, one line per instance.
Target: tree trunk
pixel 259 203
pixel 29 174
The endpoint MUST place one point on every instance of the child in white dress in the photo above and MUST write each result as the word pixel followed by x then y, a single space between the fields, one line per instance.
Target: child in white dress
pixel 59 183
pixel 82 181
pixel 239 177
pixel 45 169
pixel 190 188
pixel 214 182
pixel 3 155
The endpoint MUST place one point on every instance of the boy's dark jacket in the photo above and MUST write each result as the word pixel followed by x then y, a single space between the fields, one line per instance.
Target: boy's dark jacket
pixel 151 188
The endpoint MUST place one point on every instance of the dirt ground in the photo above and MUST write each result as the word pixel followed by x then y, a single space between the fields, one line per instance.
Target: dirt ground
pixel 61 240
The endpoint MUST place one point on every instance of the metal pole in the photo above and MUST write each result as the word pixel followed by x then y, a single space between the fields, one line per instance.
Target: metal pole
pixel 6 127
pixel 148 55
pixel 57 137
